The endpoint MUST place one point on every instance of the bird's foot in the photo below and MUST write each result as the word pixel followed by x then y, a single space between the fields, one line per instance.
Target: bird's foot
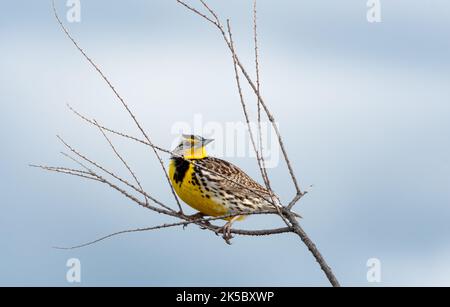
pixel 226 229
pixel 226 232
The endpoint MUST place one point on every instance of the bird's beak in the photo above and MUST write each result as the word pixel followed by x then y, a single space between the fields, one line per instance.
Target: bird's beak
pixel 207 141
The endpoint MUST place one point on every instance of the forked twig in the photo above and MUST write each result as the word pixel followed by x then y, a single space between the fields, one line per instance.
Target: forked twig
pixel 247 119
pixel 299 194
pixel 270 117
pixel 122 160
pixel 90 167
pixel 119 97
pixel 126 136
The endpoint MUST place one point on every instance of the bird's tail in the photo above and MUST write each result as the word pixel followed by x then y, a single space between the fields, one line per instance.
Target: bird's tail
pixel 297 215
pixel 269 207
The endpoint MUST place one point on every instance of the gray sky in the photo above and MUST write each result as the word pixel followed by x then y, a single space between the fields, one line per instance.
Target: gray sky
pixel 364 109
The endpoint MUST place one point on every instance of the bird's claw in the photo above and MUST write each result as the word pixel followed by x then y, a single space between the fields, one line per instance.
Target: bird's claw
pixel 226 232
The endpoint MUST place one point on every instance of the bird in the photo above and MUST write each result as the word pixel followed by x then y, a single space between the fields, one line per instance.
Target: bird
pixel 215 187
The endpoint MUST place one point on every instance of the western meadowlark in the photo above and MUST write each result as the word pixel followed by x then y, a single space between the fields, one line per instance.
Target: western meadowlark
pixel 213 186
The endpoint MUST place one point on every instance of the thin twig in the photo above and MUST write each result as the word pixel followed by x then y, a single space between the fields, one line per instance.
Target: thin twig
pixel 122 101
pixel 97 165
pixel 196 11
pixel 292 219
pixel 77 162
pixel 123 160
pixel 119 233
pixel 258 85
pixel 262 232
pixel 96 177
pixel 90 121
pixel 186 219
pixel 271 118
pixel 244 109
pixel 65 170
pixel 285 212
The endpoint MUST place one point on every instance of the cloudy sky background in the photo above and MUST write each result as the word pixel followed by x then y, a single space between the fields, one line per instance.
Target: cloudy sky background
pixel 364 109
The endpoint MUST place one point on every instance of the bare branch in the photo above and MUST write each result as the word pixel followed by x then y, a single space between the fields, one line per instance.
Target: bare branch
pixel 187 220
pixel 122 101
pixel 97 165
pixel 313 249
pixel 77 162
pixel 256 89
pixel 258 85
pixel 196 11
pixel 262 232
pixel 244 109
pixel 219 26
pixel 90 121
pixel 127 136
pixel 96 177
pixel 120 233
pixel 122 160
pixel 286 213
pixel 65 170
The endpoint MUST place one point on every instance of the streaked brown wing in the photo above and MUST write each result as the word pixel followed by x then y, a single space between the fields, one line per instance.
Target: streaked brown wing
pixel 236 181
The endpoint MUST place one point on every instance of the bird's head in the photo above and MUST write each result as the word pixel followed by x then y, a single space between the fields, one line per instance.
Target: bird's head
pixel 192 147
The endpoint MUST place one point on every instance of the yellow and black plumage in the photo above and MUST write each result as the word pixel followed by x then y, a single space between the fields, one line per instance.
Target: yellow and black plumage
pixel 214 186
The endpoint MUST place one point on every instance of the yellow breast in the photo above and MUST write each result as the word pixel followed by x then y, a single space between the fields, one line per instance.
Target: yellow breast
pixel 190 191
